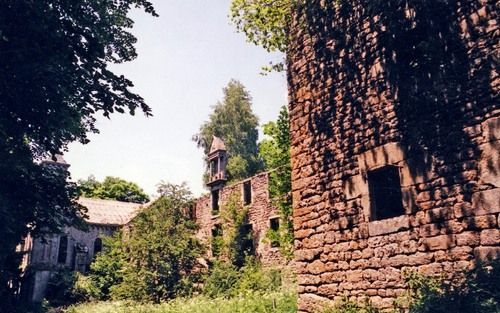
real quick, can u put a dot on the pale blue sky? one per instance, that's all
(186, 57)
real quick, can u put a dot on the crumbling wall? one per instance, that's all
(260, 210)
(410, 84)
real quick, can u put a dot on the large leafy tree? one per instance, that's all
(234, 122)
(161, 252)
(112, 188)
(54, 78)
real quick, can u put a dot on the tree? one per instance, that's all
(265, 22)
(161, 250)
(54, 78)
(112, 188)
(234, 122)
(275, 151)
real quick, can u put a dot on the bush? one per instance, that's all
(349, 306)
(226, 280)
(67, 287)
(478, 291)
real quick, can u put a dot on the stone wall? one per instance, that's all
(408, 84)
(260, 211)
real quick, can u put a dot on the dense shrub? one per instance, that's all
(478, 291)
(66, 287)
(226, 280)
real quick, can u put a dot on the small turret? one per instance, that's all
(217, 160)
(57, 161)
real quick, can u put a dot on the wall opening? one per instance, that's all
(217, 240)
(215, 202)
(247, 192)
(97, 246)
(274, 224)
(247, 242)
(62, 253)
(214, 167)
(386, 200)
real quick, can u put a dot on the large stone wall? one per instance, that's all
(413, 84)
(260, 211)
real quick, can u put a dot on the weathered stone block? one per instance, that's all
(442, 242)
(485, 254)
(490, 237)
(388, 226)
(486, 202)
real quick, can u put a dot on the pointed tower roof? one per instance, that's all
(217, 144)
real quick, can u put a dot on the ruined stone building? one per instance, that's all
(72, 248)
(395, 129)
(251, 193)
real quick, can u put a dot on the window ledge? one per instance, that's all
(215, 216)
(389, 226)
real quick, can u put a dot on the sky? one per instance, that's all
(185, 57)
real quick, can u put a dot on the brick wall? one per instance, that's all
(408, 84)
(260, 211)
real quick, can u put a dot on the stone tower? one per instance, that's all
(217, 159)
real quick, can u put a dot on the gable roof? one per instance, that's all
(109, 212)
(217, 144)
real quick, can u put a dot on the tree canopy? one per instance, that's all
(54, 79)
(161, 252)
(264, 22)
(112, 188)
(234, 122)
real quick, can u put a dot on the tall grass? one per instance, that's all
(252, 302)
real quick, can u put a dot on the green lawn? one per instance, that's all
(249, 303)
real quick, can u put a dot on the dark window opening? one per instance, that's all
(62, 253)
(97, 246)
(215, 202)
(385, 193)
(247, 192)
(214, 167)
(217, 240)
(274, 224)
(192, 212)
(247, 239)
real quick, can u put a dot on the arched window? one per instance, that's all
(97, 246)
(62, 253)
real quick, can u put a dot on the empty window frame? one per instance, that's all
(274, 225)
(217, 239)
(247, 239)
(62, 252)
(247, 192)
(385, 193)
(215, 202)
(97, 246)
(214, 167)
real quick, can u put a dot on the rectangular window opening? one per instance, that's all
(274, 224)
(247, 192)
(385, 193)
(247, 242)
(215, 202)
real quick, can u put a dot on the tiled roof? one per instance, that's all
(109, 212)
(217, 144)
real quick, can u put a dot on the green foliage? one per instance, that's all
(234, 122)
(477, 292)
(55, 77)
(106, 270)
(264, 22)
(275, 151)
(160, 252)
(251, 302)
(112, 188)
(348, 306)
(66, 287)
(227, 280)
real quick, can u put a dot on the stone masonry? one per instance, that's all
(395, 128)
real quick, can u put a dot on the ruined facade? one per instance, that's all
(252, 193)
(395, 129)
(73, 248)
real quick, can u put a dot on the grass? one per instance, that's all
(277, 302)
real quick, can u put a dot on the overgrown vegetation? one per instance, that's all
(55, 78)
(250, 302)
(275, 152)
(156, 258)
(113, 188)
